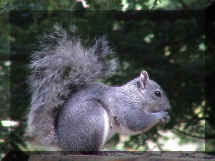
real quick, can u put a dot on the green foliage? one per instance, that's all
(71, 5)
(4, 88)
(4, 104)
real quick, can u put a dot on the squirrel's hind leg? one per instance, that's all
(82, 127)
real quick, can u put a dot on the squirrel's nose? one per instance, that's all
(168, 108)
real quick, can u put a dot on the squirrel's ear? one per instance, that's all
(144, 77)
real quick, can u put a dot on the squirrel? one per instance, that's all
(71, 109)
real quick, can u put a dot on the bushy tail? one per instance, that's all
(61, 67)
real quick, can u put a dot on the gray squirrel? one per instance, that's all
(71, 109)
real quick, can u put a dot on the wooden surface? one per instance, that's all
(123, 156)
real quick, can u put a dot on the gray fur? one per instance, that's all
(57, 71)
(69, 108)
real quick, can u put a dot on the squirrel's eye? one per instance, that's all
(158, 93)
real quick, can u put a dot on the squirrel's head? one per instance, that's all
(153, 97)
